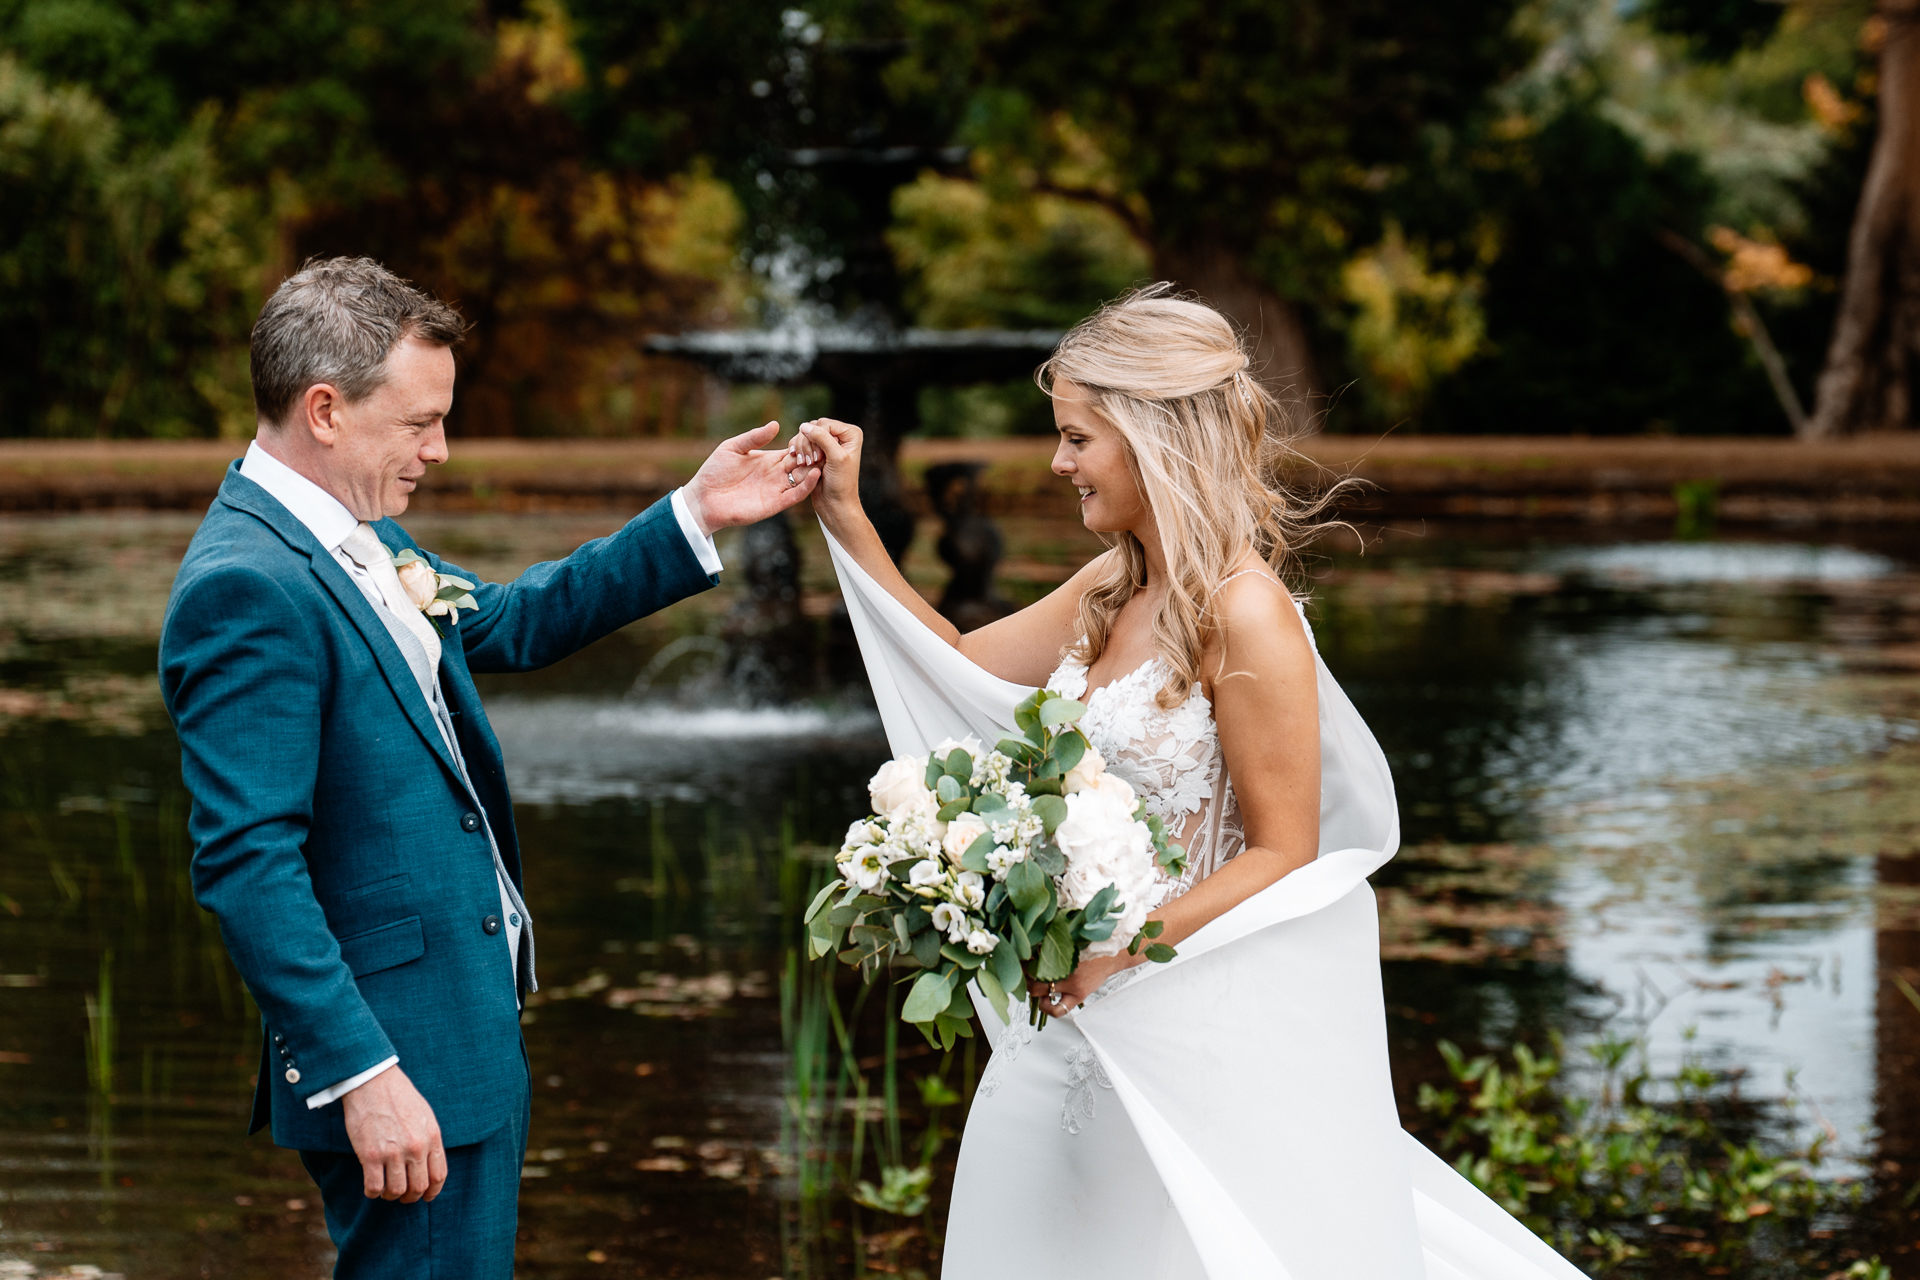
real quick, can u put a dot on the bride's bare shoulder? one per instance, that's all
(1256, 625)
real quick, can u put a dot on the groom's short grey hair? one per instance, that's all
(336, 321)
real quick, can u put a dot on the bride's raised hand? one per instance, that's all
(835, 448)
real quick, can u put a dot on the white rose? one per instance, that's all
(980, 942)
(898, 785)
(970, 890)
(961, 833)
(951, 921)
(421, 584)
(1082, 775)
(1112, 784)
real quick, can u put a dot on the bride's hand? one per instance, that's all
(835, 447)
(1074, 989)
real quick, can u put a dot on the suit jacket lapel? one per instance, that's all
(241, 493)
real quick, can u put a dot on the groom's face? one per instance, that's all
(381, 446)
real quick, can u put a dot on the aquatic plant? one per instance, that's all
(1650, 1165)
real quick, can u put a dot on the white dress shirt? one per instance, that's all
(330, 523)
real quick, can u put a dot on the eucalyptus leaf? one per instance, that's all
(994, 990)
(1022, 945)
(949, 788)
(820, 899)
(1069, 749)
(1026, 886)
(926, 948)
(1059, 711)
(960, 1005)
(1017, 749)
(931, 992)
(1051, 810)
(1044, 787)
(961, 956)
(1154, 928)
(953, 808)
(934, 770)
(1056, 951)
(959, 765)
(975, 858)
(1048, 858)
(1005, 963)
(988, 803)
(1160, 952)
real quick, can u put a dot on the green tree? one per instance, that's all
(1245, 141)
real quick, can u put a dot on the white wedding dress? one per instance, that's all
(1228, 1114)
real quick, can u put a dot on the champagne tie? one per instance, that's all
(363, 545)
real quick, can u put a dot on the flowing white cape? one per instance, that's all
(1252, 1068)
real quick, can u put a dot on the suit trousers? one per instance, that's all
(465, 1233)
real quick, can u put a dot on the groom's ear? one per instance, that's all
(314, 413)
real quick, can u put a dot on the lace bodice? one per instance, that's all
(1171, 759)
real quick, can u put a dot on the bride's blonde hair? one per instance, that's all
(1206, 441)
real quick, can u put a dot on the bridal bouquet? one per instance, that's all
(1002, 866)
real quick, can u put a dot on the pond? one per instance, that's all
(1652, 791)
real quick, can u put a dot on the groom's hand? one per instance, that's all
(394, 1133)
(740, 482)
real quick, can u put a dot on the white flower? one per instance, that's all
(862, 833)
(961, 833)
(867, 870)
(1104, 845)
(1001, 860)
(421, 584)
(970, 890)
(980, 942)
(927, 874)
(898, 785)
(1112, 784)
(969, 744)
(1084, 774)
(950, 920)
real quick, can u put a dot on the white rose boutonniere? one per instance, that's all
(438, 595)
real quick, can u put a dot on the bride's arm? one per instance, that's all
(1024, 647)
(1266, 704)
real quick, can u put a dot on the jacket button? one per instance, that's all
(293, 1075)
(514, 919)
(469, 822)
(491, 924)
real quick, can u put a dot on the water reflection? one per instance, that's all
(1672, 783)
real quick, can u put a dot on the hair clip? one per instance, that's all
(1240, 386)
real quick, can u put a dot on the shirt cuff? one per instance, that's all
(703, 549)
(348, 1085)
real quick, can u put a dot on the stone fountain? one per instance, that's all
(874, 364)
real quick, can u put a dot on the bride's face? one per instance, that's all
(1095, 458)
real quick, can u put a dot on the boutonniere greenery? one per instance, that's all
(438, 595)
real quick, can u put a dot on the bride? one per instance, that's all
(1229, 1114)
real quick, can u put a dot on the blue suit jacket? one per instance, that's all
(332, 835)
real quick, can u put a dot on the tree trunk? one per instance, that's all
(1867, 383)
(1274, 330)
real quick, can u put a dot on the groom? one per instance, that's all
(351, 824)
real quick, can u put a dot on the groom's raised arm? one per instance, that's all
(237, 674)
(561, 606)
